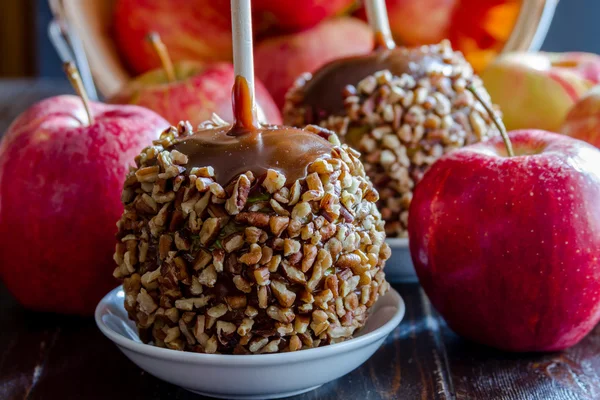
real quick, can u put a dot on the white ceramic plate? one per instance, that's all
(399, 268)
(262, 376)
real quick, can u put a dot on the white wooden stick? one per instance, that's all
(243, 59)
(378, 19)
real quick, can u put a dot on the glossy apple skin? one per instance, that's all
(60, 190)
(583, 120)
(198, 30)
(294, 15)
(279, 61)
(200, 91)
(418, 22)
(536, 90)
(508, 249)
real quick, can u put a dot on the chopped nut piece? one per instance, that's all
(147, 174)
(208, 276)
(284, 296)
(273, 181)
(278, 224)
(233, 242)
(217, 311)
(241, 284)
(257, 344)
(253, 256)
(209, 231)
(146, 302)
(295, 343)
(284, 315)
(245, 326)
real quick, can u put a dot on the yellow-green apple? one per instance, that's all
(279, 61)
(583, 120)
(61, 176)
(293, 15)
(197, 30)
(536, 90)
(508, 248)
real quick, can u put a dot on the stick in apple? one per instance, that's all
(75, 79)
(244, 106)
(378, 19)
(162, 52)
(497, 121)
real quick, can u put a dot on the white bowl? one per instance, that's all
(261, 376)
(399, 268)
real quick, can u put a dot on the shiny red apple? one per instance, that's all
(60, 186)
(280, 60)
(508, 248)
(294, 15)
(190, 91)
(197, 30)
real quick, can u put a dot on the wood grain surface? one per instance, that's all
(47, 356)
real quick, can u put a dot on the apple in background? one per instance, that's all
(61, 179)
(508, 248)
(478, 28)
(583, 120)
(418, 22)
(280, 60)
(293, 15)
(191, 29)
(536, 90)
(198, 91)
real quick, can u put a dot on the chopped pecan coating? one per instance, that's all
(259, 265)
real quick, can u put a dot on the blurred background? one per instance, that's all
(27, 52)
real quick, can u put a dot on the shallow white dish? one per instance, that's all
(399, 268)
(263, 376)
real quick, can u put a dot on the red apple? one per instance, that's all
(478, 28)
(418, 22)
(198, 91)
(280, 60)
(192, 29)
(508, 248)
(293, 15)
(60, 187)
(583, 120)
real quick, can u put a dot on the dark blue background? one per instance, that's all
(576, 26)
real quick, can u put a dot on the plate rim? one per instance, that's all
(397, 242)
(250, 359)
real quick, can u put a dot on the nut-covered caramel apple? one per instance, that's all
(402, 108)
(249, 239)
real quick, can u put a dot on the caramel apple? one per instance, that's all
(402, 108)
(248, 238)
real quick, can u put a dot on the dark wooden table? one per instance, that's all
(45, 356)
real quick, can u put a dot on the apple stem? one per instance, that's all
(497, 121)
(380, 24)
(243, 96)
(75, 79)
(162, 52)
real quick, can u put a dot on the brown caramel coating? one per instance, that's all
(322, 94)
(247, 146)
(234, 151)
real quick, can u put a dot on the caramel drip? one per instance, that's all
(323, 94)
(244, 110)
(233, 151)
(382, 42)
